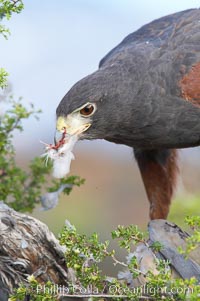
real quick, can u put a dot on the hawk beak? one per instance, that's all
(69, 125)
(58, 137)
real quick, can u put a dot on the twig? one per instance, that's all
(116, 261)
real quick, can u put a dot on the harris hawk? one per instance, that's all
(145, 94)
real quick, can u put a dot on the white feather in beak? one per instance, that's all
(62, 161)
(61, 157)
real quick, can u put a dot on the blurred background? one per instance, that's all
(53, 45)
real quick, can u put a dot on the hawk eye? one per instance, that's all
(87, 110)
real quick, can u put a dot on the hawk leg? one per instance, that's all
(159, 173)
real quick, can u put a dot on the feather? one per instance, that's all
(61, 165)
(61, 157)
(50, 199)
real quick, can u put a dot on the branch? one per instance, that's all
(29, 248)
(171, 237)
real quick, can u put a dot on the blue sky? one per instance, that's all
(56, 43)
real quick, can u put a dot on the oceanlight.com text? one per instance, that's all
(112, 290)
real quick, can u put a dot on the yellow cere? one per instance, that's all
(61, 123)
(73, 123)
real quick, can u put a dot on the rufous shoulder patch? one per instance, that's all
(190, 85)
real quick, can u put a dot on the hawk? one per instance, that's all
(145, 94)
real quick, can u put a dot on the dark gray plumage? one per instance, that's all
(147, 95)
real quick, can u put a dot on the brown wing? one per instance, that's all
(190, 84)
